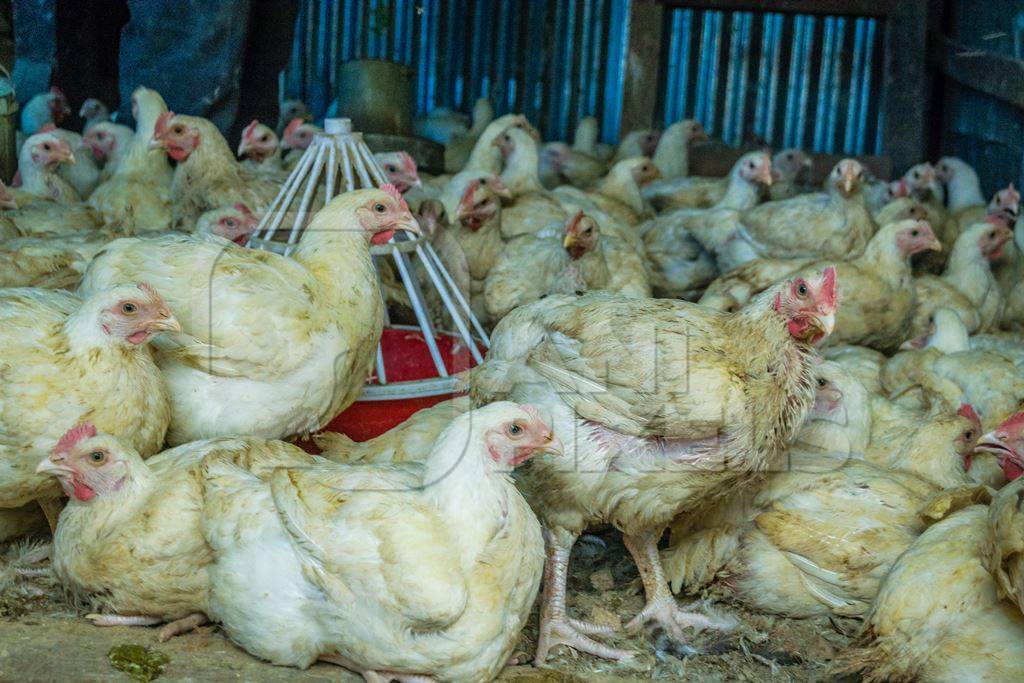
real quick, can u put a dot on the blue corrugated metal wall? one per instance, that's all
(555, 61)
(984, 131)
(789, 80)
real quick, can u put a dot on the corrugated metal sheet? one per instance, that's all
(788, 80)
(553, 61)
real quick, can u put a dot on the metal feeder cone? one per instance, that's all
(415, 363)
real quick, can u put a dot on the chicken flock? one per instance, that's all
(805, 400)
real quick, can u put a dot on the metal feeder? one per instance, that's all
(338, 161)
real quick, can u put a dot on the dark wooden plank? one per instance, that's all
(643, 54)
(715, 159)
(995, 75)
(908, 83)
(859, 8)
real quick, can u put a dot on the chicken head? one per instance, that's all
(581, 235)
(100, 141)
(644, 171)
(234, 223)
(791, 164)
(808, 306)
(134, 313)
(756, 168)
(479, 202)
(384, 212)
(175, 137)
(520, 434)
(49, 151)
(400, 168)
(915, 236)
(1005, 203)
(966, 441)
(258, 143)
(93, 108)
(58, 104)
(87, 464)
(992, 241)
(299, 134)
(1006, 442)
(847, 177)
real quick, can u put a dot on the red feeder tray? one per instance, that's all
(412, 383)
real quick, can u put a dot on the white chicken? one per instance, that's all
(272, 346)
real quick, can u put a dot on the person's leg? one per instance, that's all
(190, 51)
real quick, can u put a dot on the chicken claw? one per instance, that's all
(179, 626)
(661, 607)
(371, 676)
(556, 627)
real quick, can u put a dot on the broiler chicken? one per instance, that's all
(950, 373)
(207, 175)
(877, 290)
(967, 285)
(40, 158)
(65, 360)
(819, 539)
(644, 448)
(672, 156)
(272, 346)
(585, 139)
(833, 225)
(790, 169)
(678, 264)
(575, 258)
(636, 143)
(486, 156)
(260, 150)
(316, 566)
(109, 143)
(93, 111)
(1006, 556)
(46, 107)
(137, 197)
(130, 541)
(81, 172)
(532, 207)
(458, 149)
(956, 630)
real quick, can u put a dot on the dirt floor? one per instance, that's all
(44, 638)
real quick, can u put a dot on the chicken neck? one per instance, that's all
(968, 271)
(620, 186)
(883, 258)
(520, 175)
(672, 157)
(141, 160)
(964, 190)
(739, 194)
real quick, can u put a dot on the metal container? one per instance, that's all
(376, 95)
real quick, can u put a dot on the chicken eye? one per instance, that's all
(96, 457)
(992, 235)
(177, 130)
(128, 308)
(822, 382)
(230, 222)
(379, 208)
(913, 233)
(264, 137)
(969, 434)
(588, 231)
(514, 429)
(801, 289)
(391, 168)
(46, 146)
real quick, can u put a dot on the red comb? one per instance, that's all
(244, 210)
(829, 286)
(86, 430)
(393, 191)
(292, 125)
(532, 411)
(467, 194)
(1014, 423)
(148, 289)
(967, 410)
(574, 220)
(250, 130)
(162, 122)
(48, 127)
(408, 162)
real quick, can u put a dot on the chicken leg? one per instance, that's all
(661, 607)
(179, 626)
(556, 627)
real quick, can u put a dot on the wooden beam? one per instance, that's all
(643, 57)
(859, 8)
(995, 75)
(906, 83)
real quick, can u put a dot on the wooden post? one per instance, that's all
(643, 55)
(907, 84)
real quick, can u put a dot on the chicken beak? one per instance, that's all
(243, 148)
(554, 446)
(409, 225)
(569, 241)
(826, 322)
(168, 324)
(933, 245)
(48, 466)
(156, 142)
(765, 176)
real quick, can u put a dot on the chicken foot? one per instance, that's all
(556, 627)
(179, 626)
(661, 607)
(171, 629)
(371, 676)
